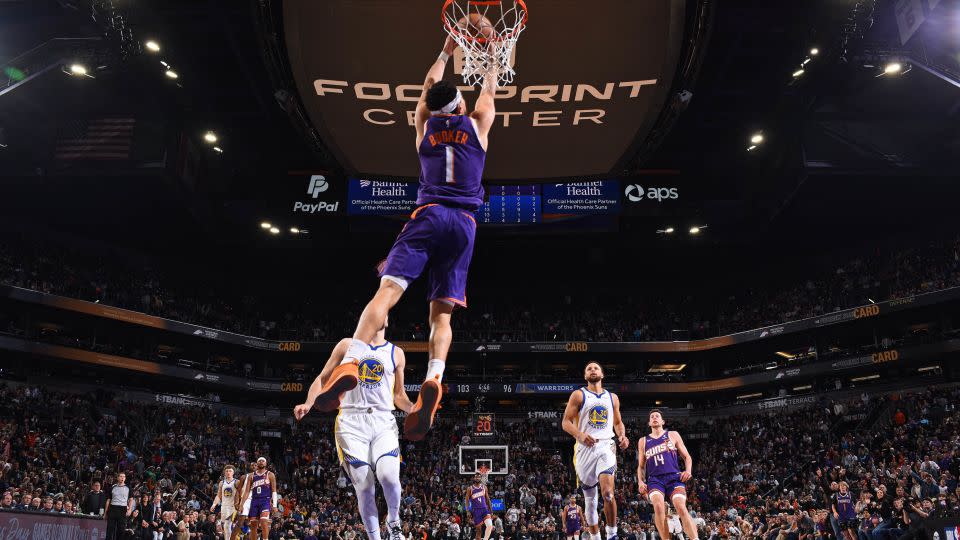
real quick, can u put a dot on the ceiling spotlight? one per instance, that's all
(164, 64)
(797, 73)
(751, 148)
(814, 51)
(78, 69)
(210, 137)
(892, 68)
(265, 225)
(171, 74)
(805, 62)
(668, 230)
(217, 149)
(152, 46)
(757, 138)
(694, 230)
(294, 230)
(274, 230)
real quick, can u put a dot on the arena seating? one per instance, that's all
(757, 476)
(882, 274)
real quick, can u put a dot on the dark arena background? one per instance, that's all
(743, 212)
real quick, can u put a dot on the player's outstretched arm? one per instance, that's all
(335, 358)
(400, 398)
(618, 426)
(216, 500)
(682, 450)
(434, 74)
(570, 419)
(485, 110)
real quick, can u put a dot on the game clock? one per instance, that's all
(482, 425)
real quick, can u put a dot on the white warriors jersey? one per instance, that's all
(228, 493)
(375, 388)
(596, 414)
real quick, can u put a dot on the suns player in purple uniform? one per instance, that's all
(452, 146)
(659, 475)
(260, 492)
(592, 417)
(844, 511)
(572, 517)
(478, 501)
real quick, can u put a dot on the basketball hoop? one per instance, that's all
(486, 31)
(484, 473)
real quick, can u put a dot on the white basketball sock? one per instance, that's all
(354, 351)
(611, 531)
(434, 368)
(388, 473)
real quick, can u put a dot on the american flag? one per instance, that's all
(99, 138)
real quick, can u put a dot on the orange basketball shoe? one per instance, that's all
(420, 419)
(343, 379)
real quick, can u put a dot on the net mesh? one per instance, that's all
(484, 473)
(486, 32)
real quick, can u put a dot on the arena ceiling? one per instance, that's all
(592, 80)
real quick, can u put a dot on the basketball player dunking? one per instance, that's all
(227, 498)
(572, 519)
(260, 494)
(452, 146)
(659, 476)
(478, 501)
(593, 418)
(366, 431)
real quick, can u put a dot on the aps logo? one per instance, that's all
(636, 193)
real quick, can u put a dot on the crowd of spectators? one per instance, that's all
(769, 476)
(97, 275)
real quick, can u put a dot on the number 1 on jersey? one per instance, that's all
(449, 176)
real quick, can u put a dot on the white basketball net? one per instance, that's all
(487, 47)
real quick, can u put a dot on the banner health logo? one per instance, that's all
(371, 372)
(318, 184)
(635, 193)
(597, 416)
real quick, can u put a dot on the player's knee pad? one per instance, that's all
(388, 471)
(590, 505)
(362, 478)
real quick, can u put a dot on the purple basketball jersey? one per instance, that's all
(661, 455)
(451, 163)
(573, 519)
(478, 504)
(261, 487)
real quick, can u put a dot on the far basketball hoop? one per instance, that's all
(486, 31)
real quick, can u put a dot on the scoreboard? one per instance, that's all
(510, 205)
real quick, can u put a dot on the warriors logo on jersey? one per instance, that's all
(227, 491)
(597, 416)
(371, 372)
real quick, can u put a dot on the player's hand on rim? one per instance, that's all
(684, 476)
(586, 440)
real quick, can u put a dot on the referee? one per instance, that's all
(119, 506)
